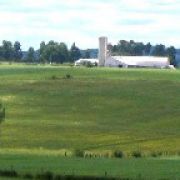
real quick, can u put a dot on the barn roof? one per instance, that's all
(142, 60)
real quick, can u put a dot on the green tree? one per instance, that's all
(75, 53)
(128, 48)
(159, 50)
(87, 54)
(138, 49)
(17, 51)
(1, 53)
(42, 52)
(63, 53)
(54, 52)
(31, 55)
(7, 50)
(171, 52)
(147, 49)
(51, 52)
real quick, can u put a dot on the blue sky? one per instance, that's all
(83, 21)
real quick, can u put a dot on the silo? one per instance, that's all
(102, 50)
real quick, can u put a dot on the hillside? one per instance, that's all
(96, 110)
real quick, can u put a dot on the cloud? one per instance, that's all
(84, 21)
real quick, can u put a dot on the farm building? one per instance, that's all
(137, 61)
(85, 61)
(105, 59)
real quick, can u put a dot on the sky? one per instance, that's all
(83, 21)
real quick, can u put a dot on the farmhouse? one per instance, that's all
(105, 59)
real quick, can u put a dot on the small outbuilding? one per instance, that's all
(82, 62)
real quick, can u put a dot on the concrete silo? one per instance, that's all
(103, 41)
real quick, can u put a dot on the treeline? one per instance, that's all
(55, 52)
(52, 52)
(9, 51)
(132, 48)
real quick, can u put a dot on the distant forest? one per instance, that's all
(55, 52)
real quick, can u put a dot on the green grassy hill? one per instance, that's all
(97, 109)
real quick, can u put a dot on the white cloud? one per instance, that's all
(83, 21)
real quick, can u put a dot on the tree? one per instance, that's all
(31, 55)
(7, 50)
(147, 49)
(123, 48)
(42, 47)
(1, 53)
(41, 51)
(63, 53)
(128, 48)
(87, 54)
(54, 52)
(17, 51)
(75, 53)
(138, 49)
(171, 51)
(159, 50)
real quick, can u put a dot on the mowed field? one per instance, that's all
(97, 110)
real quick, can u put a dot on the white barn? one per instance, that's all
(137, 61)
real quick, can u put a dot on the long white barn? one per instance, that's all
(137, 61)
(105, 59)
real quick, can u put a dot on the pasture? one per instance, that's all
(96, 110)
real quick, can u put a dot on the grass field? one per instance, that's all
(151, 168)
(98, 110)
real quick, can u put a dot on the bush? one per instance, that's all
(137, 154)
(79, 153)
(118, 154)
(156, 154)
(67, 76)
(53, 77)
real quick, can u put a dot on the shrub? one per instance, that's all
(53, 77)
(118, 154)
(156, 154)
(79, 153)
(67, 76)
(137, 154)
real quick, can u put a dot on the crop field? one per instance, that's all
(52, 111)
